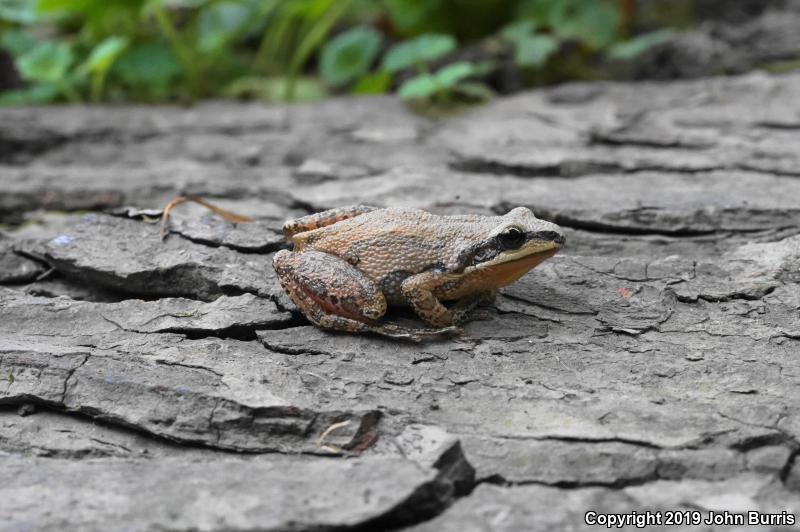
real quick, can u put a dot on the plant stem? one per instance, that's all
(69, 91)
(265, 45)
(183, 52)
(312, 40)
(96, 86)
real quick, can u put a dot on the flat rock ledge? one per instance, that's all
(171, 385)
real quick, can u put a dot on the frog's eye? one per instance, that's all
(512, 238)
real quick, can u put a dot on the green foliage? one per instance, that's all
(306, 89)
(147, 70)
(629, 49)
(100, 61)
(20, 11)
(592, 22)
(157, 50)
(418, 51)
(16, 42)
(418, 16)
(46, 62)
(446, 84)
(376, 83)
(349, 55)
(531, 49)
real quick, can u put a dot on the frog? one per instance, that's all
(348, 265)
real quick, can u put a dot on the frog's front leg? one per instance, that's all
(465, 309)
(418, 290)
(333, 294)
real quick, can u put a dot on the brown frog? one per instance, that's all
(349, 264)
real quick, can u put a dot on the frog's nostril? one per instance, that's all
(550, 236)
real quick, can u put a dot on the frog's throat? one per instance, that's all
(504, 273)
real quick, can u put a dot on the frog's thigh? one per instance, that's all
(323, 219)
(418, 291)
(326, 287)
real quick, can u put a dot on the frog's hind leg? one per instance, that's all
(324, 218)
(332, 294)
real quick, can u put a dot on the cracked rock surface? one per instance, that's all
(171, 385)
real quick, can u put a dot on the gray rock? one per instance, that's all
(731, 37)
(51, 434)
(229, 493)
(546, 508)
(225, 314)
(129, 256)
(55, 285)
(537, 508)
(651, 364)
(15, 268)
(254, 237)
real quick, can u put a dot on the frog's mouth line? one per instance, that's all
(539, 249)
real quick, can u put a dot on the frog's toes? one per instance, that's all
(464, 317)
(373, 312)
(452, 330)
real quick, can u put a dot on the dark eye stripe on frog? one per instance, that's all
(497, 245)
(548, 236)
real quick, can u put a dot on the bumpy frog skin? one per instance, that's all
(349, 264)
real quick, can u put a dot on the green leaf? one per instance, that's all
(419, 50)
(18, 11)
(541, 12)
(377, 83)
(104, 54)
(477, 92)
(273, 89)
(450, 75)
(349, 55)
(330, 11)
(518, 31)
(221, 22)
(50, 6)
(152, 65)
(535, 50)
(629, 49)
(37, 94)
(422, 86)
(593, 22)
(17, 42)
(530, 49)
(170, 4)
(46, 62)
(417, 16)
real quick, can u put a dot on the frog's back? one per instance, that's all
(389, 245)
